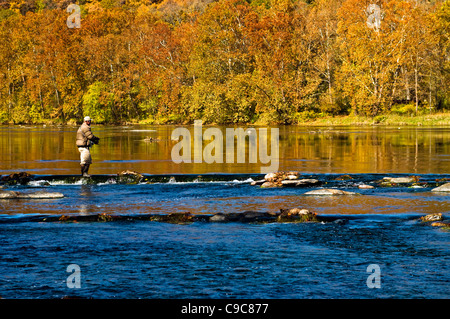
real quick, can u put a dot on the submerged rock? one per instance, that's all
(176, 218)
(253, 216)
(442, 188)
(340, 221)
(4, 194)
(285, 215)
(296, 215)
(17, 178)
(245, 217)
(103, 217)
(398, 181)
(440, 224)
(343, 178)
(41, 195)
(435, 220)
(329, 192)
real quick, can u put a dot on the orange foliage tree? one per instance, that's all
(222, 61)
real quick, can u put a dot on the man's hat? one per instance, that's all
(87, 118)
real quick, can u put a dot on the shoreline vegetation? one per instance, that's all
(437, 119)
(241, 62)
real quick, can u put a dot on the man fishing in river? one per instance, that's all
(85, 139)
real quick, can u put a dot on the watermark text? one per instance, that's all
(190, 148)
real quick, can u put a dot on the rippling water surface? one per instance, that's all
(144, 259)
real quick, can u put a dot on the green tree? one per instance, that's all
(97, 103)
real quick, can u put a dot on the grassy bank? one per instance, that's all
(437, 119)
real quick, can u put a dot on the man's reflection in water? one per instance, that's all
(87, 208)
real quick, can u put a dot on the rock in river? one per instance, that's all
(431, 217)
(399, 180)
(364, 186)
(296, 215)
(442, 188)
(284, 179)
(270, 176)
(300, 182)
(294, 212)
(16, 178)
(441, 224)
(4, 194)
(129, 177)
(329, 191)
(8, 194)
(269, 184)
(258, 182)
(219, 217)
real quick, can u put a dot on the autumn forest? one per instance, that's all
(221, 61)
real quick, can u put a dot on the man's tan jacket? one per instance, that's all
(84, 135)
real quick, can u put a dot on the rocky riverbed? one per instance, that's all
(293, 215)
(294, 179)
(325, 187)
(271, 180)
(22, 186)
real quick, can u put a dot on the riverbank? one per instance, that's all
(436, 119)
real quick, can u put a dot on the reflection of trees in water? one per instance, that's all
(52, 150)
(394, 150)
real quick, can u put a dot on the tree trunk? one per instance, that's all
(405, 75)
(430, 92)
(416, 87)
(10, 92)
(328, 65)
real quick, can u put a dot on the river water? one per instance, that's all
(146, 259)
